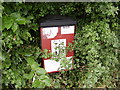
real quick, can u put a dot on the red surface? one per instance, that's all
(46, 43)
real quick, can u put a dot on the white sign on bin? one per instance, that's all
(50, 32)
(67, 29)
(52, 65)
(61, 43)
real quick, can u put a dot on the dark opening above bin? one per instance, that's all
(56, 20)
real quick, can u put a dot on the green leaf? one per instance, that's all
(19, 81)
(29, 76)
(0, 15)
(57, 84)
(30, 60)
(1, 65)
(1, 57)
(15, 15)
(28, 34)
(30, 17)
(14, 27)
(95, 79)
(40, 71)
(47, 82)
(21, 20)
(41, 85)
(7, 63)
(36, 83)
(27, 53)
(7, 22)
(35, 65)
(1, 7)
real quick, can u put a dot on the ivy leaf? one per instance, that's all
(28, 34)
(29, 76)
(30, 60)
(26, 76)
(14, 27)
(21, 20)
(7, 63)
(34, 65)
(42, 77)
(89, 75)
(45, 50)
(36, 83)
(41, 71)
(30, 17)
(19, 81)
(27, 53)
(1, 7)
(1, 57)
(47, 82)
(15, 15)
(7, 22)
(57, 84)
(42, 85)
(95, 79)
(1, 15)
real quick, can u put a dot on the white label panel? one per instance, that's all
(61, 43)
(51, 65)
(50, 32)
(67, 29)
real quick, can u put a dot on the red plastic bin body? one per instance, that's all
(54, 31)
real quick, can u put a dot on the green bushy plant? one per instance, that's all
(96, 45)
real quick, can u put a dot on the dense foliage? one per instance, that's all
(96, 45)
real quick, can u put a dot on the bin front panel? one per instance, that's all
(51, 37)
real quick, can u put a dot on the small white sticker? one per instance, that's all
(67, 29)
(50, 32)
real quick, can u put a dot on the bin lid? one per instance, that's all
(56, 20)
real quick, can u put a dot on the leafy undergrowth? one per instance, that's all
(96, 45)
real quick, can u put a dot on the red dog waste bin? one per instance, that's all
(55, 30)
